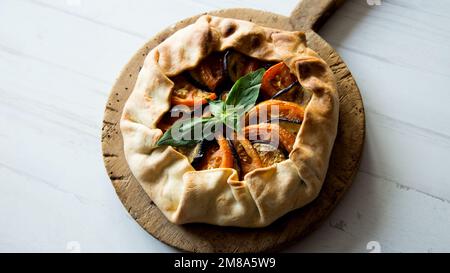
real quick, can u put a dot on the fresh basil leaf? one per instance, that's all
(245, 91)
(183, 132)
(241, 98)
(217, 107)
(233, 120)
(211, 127)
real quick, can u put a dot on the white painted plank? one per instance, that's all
(145, 18)
(399, 57)
(38, 218)
(54, 187)
(398, 218)
(366, 56)
(407, 155)
(52, 95)
(54, 119)
(73, 98)
(70, 42)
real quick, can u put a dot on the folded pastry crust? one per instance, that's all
(217, 196)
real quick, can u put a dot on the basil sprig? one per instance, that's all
(241, 98)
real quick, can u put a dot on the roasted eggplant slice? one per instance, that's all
(288, 92)
(237, 162)
(199, 152)
(247, 156)
(294, 93)
(272, 133)
(292, 126)
(191, 152)
(282, 119)
(269, 154)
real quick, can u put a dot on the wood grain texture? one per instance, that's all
(312, 14)
(207, 238)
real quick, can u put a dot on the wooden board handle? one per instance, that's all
(311, 14)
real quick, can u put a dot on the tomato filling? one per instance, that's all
(271, 133)
(248, 157)
(219, 155)
(185, 93)
(272, 125)
(276, 78)
(273, 109)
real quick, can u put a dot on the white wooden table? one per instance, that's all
(59, 59)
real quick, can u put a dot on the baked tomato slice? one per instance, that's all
(210, 72)
(218, 155)
(247, 155)
(276, 78)
(187, 94)
(286, 110)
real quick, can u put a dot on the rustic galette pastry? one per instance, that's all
(231, 123)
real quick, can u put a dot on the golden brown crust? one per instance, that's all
(217, 196)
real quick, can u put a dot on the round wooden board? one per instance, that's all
(208, 238)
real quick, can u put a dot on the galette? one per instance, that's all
(231, 123)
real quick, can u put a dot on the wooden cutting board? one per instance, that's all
(307, 16)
